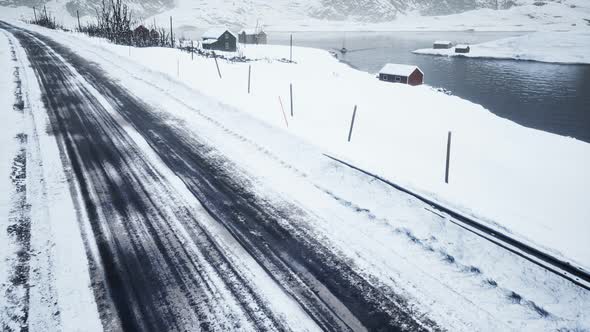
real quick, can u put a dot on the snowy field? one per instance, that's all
(516, 178)
(554, 47)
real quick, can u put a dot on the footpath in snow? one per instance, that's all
(554, 47)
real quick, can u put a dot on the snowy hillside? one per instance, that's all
(366, 10)
(303, 14)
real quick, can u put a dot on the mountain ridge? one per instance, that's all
(373, 11)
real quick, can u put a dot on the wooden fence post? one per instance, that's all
(283, 109)
(171, 33)
(291, 93)
(217, 64)
(291, 49)
(249, 76)
(45, 10)
(352, 123)
(79, 26)
(448, 157)
(35, 13)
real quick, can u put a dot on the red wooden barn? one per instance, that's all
(406, 74)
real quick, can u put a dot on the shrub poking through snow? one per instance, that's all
(514, 297)
(491, 282)
(46, 20)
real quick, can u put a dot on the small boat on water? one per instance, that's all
(344, 50)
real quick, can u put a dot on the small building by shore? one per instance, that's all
(405, 74)
(462, 49)
(442, 44)
(219, 40)
(252, 36)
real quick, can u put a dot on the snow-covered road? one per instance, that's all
(192, 225)
(163, 268)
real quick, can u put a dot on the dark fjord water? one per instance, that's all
(550, 97)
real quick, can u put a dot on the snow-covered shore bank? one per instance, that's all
(553, 47)
(518, 179)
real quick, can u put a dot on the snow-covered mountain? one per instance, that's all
(385, 10)
(194, 16)
(358, 10)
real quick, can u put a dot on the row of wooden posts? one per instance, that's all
(448, 159)
(449, 138)
(448, 156)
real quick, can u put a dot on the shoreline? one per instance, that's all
(542, 47)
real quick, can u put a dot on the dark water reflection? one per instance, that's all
(549, 97)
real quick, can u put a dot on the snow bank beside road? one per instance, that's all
(10, 121)
(44, 278)
(555, 47)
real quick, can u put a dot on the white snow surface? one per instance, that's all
(283, 15)
(520, 180)
(215, 33)
(294, 16)
(556, 47)
(398, 69)
(10, 121)
(60, 297)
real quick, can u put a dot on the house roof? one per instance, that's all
(398, 69)
(215, 33)
(251, 31)
(209, 41)
(443, 42)
(462, 46)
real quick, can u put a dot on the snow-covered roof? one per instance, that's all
(462, 46)
(443, 42)
(251, 31)
(397, 69)
(215, 33)
(209, 41)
